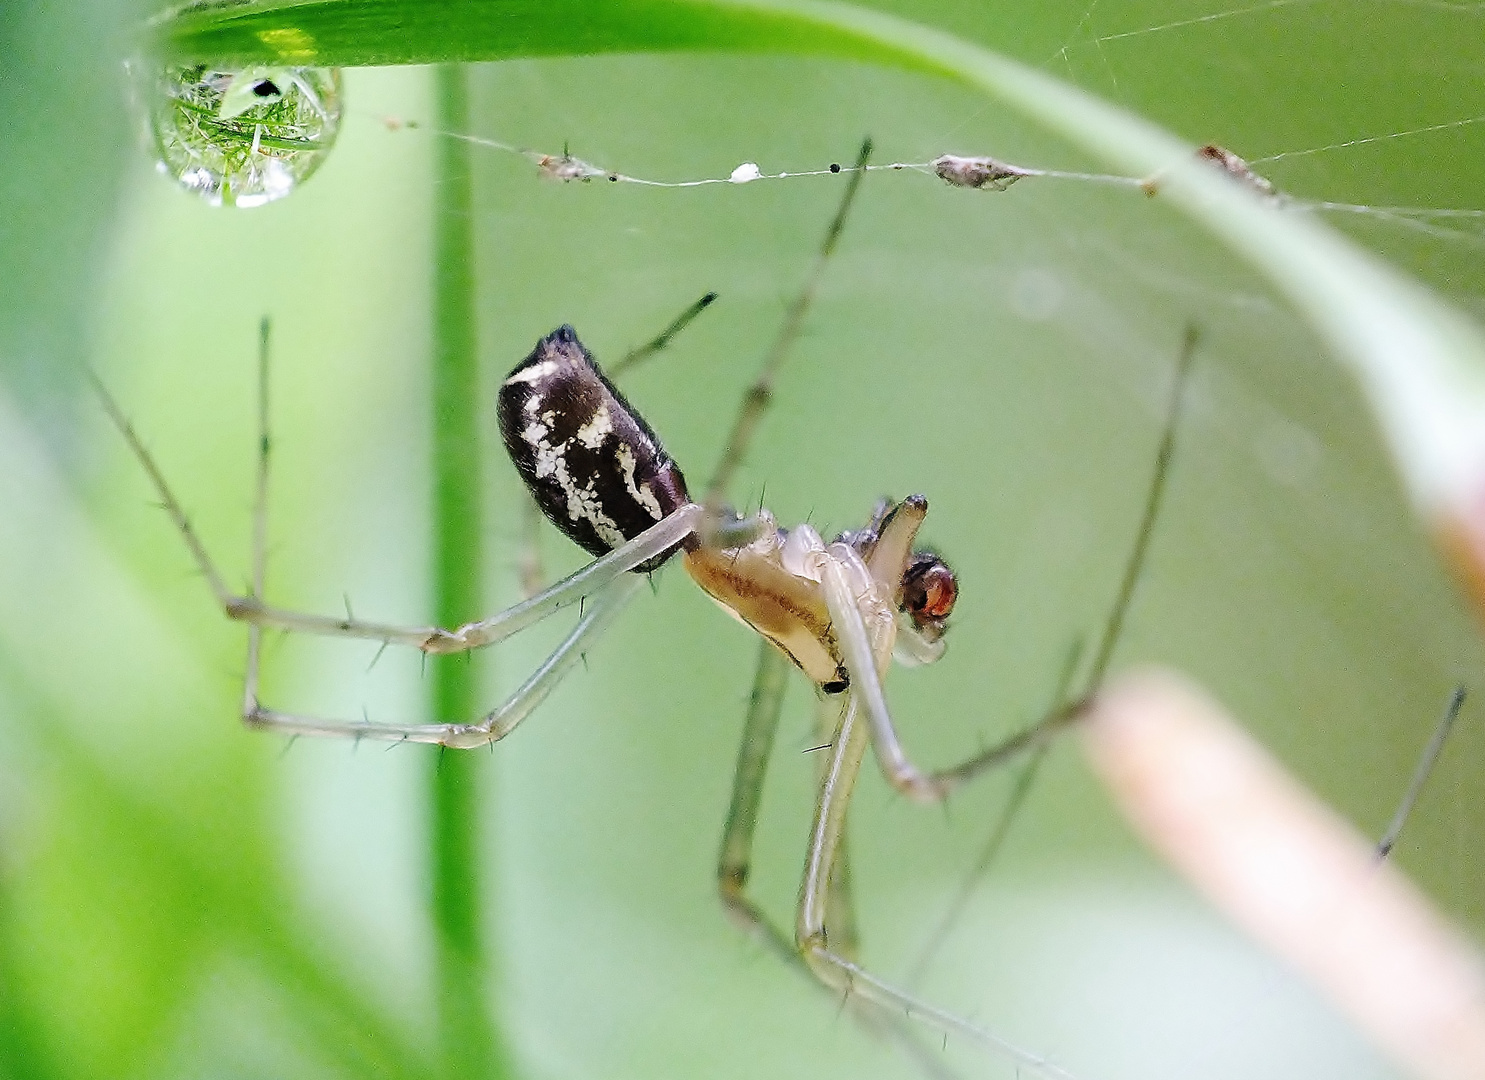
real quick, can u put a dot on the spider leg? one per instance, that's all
(661, 340)
(260, 524)
(840, 900)
(830, 966)
(497, 723)
(734, 862)
(735, 859)
(759, 396)
(1421, 772)
(927, 786)
(583, 583)
(251, 609)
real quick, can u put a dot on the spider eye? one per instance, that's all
(929, 589)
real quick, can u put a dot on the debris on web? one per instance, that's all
(983, 172)
(979, 172)
(1229, 163)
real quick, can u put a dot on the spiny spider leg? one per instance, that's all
(1060, 702)
(583, 583)
(493, 726)
(496, 724)
(768, 687)
(755, 403)
(825, 894)
(926, 786)
(606, 582)
(1134, 567)
(735, 856)
(734, 862)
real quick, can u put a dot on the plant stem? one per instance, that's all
(471, 1044)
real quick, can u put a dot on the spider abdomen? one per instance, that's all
(594, 466)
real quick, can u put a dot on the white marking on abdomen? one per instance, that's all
(642, 495)
(598, 428)
(534, 373)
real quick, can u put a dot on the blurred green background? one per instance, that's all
(181, 898)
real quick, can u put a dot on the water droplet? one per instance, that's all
(243, 138)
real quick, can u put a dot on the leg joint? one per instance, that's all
(731, 880)
(921, 787)
(442, 641)
(243, 608)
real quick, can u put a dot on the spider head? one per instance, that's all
(924, 585)
(929, 589)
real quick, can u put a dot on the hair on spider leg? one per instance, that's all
(845, 1001)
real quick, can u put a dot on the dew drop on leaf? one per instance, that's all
(242, 138)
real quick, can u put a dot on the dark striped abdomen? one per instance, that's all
(596, 469)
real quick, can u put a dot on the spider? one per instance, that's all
(838, 611)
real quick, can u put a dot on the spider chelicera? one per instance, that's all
(839, 611)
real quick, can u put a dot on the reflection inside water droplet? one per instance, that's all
(243, 138)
